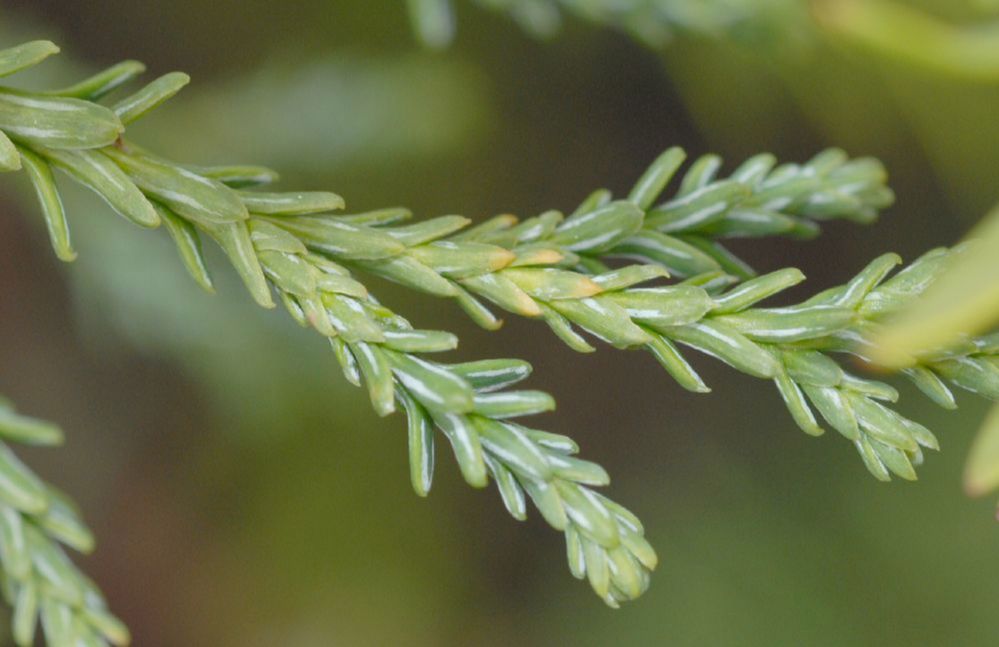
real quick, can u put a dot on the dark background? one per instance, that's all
(243, 494)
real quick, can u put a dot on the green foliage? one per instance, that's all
(653, 22)
(38, 580)
(270, 249)
(886, 27)
(914, 37)
(297, 246)
(982, 472)
(959, 304)
(962, 303)
(551, 267)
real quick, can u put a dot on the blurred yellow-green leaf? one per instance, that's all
(900, 31)
(982, 471)
(963, 301)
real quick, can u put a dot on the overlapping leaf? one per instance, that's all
(38, 579)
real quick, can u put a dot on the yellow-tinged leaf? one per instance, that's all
(963, 301)
(981, 474)
(914, 37)
(10, 159)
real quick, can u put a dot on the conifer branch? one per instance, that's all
(550, 267)
(467, 403)
(527, 268)
(38, 579)
(759, 198)
(375, 347)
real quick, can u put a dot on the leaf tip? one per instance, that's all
(66, 255)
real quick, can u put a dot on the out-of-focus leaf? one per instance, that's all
(982, 470)
(914, 37)
(964, 300)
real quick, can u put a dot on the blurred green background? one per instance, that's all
(244, 494)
